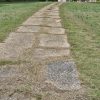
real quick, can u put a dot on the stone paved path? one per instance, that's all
(38, 63)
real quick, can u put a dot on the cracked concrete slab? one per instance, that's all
(52, 22)
(47, 16)
(27, 29)
(40, 21)
(53, 14)
(53, 41)
(15, 44)
(41, 53)
(33, 21)
(53, 30)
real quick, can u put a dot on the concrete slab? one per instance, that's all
(43, 21)
(38, 14)
(9, 76)
(53, 30)
(16, 39)
(53, 41)
(15, 45)
(53, 25)
(54, 11)
(49, 53)
(47, 16)
(34, 21)
(53, 14)
(28, 29)
(56, 17)
(52, 22)
(63, 75)
(9, 71)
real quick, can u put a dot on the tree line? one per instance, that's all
(23, 0)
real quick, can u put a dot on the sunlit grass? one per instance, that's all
(12, 15)
(82, 23)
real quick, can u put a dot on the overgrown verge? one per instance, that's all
(82, 23)
(12, 15)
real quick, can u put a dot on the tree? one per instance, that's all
(8, 0)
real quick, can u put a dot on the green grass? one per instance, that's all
(12, 15)
(9, 62)
(82, 23)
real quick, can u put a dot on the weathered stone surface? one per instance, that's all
(53, 14)
(34, 21)
(28, 29)
(15, 96)
(10, 76)
(54, 41)
(53, 10)
(57, 21)
(15, 44)
(49, 53)
(33, 99)
(56, 17)
(38, 14)
(20, 39)
(43, 21)
(47, 16)
(53, 25)
(8, 71)
(56, 8)
(63, 75)
(52, 22)
(53, 30)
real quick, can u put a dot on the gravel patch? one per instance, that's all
(63, 75)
